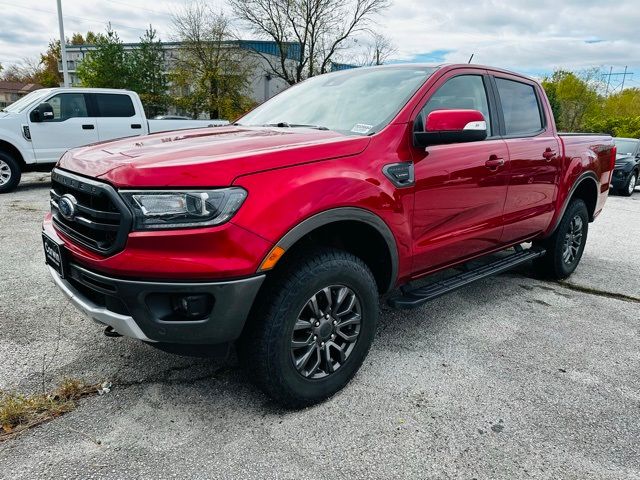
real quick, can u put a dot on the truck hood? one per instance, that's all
(206, 157)
(624, 160)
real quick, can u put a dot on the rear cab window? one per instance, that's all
(114, 105)
(521, 108)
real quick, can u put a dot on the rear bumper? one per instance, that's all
(142, 309)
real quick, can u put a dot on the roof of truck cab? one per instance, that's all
(451, 66)
(91, 90)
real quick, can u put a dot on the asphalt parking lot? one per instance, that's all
(512, 377)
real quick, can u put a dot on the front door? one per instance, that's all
(461, 188)
(70, 127)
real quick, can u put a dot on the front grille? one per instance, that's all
(101, 221)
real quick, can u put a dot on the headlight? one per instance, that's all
(175, 209)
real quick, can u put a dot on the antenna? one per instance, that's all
(471, 57)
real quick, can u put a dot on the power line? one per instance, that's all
(92, 20)
(164, 14)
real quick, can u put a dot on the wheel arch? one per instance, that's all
(356, 230)
(11, 149)
(585, 188)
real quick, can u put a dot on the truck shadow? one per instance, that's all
(34, 182)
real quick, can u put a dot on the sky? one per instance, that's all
(531, 37)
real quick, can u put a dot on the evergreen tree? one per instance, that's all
(149, 79)
(109, 65)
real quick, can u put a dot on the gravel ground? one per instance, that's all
(511, 377)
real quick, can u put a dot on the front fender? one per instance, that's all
(17, 141)
(285, 204)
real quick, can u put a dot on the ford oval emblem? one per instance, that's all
(67, 206)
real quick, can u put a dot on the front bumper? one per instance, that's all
(141, 309)
(620, 177)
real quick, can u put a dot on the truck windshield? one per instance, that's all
(27, 100)
(359, 101)
(625, 146)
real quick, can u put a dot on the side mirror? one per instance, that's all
(451, 126)
(42, 113)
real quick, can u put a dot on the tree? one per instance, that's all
(26, 71)
(210, 72)
(574, 97)
(377, 50)
(309, 34)
(149, 78)
(108, 66)
(49, 75)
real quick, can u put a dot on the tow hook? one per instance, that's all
(110, 332)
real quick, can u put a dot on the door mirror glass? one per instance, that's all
(35, 116)
(46, 111)
(42, 113)
(451, 126)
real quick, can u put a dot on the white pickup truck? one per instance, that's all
(37, 129)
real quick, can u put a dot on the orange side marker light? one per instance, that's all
(274, 255)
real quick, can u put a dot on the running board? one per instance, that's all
(419, 296)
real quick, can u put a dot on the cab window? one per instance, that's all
(464, 92)
(520, 107)
(114, 105)
(68, 105)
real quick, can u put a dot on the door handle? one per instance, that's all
(494, 162)
(136, 125)
(548, 154)
(88, 127)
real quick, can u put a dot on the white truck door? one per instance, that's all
(71, 126)
(117, 117)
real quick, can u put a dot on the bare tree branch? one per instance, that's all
(319, 28)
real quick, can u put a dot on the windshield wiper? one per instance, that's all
(293, 125)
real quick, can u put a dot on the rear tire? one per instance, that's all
(311, 327)
(566, 245)
(10, 173)
(630, 186)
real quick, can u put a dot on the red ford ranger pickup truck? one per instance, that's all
(279, 233)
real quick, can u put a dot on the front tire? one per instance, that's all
(630, 186)
(311, 328)
(566, 245)
(10, 173)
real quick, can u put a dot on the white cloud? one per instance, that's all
(525, 35)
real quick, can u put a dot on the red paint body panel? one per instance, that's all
(227, 251)
(451, 120)
(460, 207)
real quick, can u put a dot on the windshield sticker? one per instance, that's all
(361, 128)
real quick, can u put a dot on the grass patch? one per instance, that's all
(20, 412)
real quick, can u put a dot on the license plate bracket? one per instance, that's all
(54, 255)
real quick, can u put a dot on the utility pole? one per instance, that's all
(63, 48)
(608, 81)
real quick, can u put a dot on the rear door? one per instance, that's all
(460, 188)
(534, 153)
(71, 126)
(117, 116)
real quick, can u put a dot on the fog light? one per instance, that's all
(192, 307)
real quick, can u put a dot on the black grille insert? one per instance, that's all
(100, 220)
